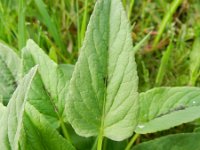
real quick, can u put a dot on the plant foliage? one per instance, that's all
(45, 105)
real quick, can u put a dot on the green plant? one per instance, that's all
(96, 98)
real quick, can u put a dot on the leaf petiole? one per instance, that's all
(99, 143)
(133, 139)
(65, 132)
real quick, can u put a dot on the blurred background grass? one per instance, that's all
(59, 26)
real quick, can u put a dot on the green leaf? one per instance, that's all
(10, 67)
(23, 127)
(103, 97)
(38, 134)
(51, 84)
(166, 107)
(80, 142)
(183, 141)
(12, 118)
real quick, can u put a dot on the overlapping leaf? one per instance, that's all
(51, 84)
(184, 141)
(9, 72)
(12, 118)
(163, 108)
(103, 90)
(28, 129)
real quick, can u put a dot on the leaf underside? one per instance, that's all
(166, 107)
(9, 73)
(103, 94)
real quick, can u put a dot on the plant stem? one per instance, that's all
(132, 141)
(100, 141)
(65, 132)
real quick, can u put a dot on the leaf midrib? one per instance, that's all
(101, 132)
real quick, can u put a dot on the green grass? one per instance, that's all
(166, 19)
(21, 25)
(165, 30)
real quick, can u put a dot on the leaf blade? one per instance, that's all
(51, 84)
(163, 108)
(37, 133)
(23, 127)
(103, 88)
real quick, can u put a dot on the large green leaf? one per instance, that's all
(9, 72)
(103, 98)
(183, 141)
(12, 118)
(51, 84)
(166, 107)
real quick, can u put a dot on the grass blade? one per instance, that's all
(78, 25)
(51, 25)
(84, 21)
(131, 8)
(173, 6)
(141, 43)
(163, 65)
(195, 61)
(21, 25)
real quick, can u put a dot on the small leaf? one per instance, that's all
(183, 141)
(10, 65)
(103, 97)
(166, 107)
(51, 84)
